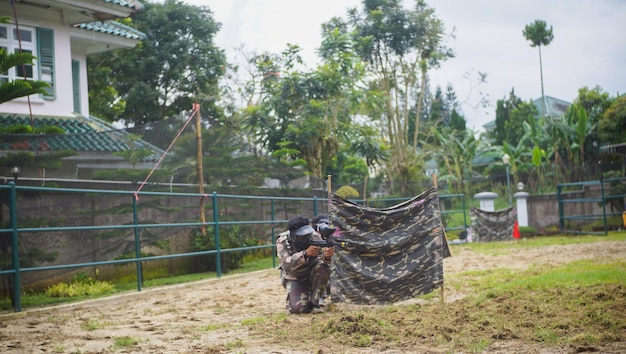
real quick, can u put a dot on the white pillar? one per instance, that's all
(522, 208)
(486, 200)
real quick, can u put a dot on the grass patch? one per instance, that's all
(124, 341)
(578, 304)
(92, 325)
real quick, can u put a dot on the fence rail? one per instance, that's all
(588, 207)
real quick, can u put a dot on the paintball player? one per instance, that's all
(305, 268)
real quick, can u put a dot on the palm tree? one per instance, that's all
(538, 34)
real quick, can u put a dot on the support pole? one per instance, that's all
(196, 107)
(329, 193)
(443, 233)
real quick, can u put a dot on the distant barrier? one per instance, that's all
(588, 201)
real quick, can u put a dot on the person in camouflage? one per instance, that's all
(304, 268)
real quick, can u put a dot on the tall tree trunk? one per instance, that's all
(543, 96)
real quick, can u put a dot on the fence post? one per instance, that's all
(559, 189)
(17, 300)
(464, 213)
(606, 229)
(216, 228)
(273, 235)
(137, 243)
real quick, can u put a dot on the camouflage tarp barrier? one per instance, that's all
(387, 255)
(490, 226)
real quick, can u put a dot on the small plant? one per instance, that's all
(92, 325)
(527, 231)
(253, 321)
(80, 286)
(235, 344)
(125, 341)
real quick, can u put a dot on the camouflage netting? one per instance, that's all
(387, 255)
(490, 226)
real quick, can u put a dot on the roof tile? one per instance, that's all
(79, 136)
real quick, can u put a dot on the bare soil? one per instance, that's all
(246, 314)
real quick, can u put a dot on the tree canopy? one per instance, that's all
(176, 65)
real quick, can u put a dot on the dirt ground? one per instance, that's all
(207, 316)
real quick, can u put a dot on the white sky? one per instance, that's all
(589, 46)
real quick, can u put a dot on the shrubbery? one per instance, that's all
(82, 285)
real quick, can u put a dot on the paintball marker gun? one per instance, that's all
(325, 231)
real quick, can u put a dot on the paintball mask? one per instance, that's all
(300, 232)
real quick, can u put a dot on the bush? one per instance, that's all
(347, 192)
(527, 231)
(81, 286)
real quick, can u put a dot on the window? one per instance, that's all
(37, 41)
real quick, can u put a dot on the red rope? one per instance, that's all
(196, 107)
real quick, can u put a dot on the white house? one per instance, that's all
(61, 34)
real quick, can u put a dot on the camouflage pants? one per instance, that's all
(305, 293)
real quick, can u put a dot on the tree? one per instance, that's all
(514, 127)
(400, 47)
(504, 107)
(307, 113)
(612, 125)
(538, 34)
(174, 66)
(456, 154)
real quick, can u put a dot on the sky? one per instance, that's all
(588, 49)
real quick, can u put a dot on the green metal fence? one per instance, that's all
(589, 201)
(270, 212)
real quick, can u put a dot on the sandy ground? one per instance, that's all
(206, 316)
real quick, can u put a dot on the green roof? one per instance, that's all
(80, 135)
(113, 28)
(133, 4)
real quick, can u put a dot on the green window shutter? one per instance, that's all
(45, 41)
(76, 84)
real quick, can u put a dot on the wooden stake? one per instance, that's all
(196, 107)
(443, 232)
(329, 192)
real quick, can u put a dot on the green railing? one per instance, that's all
(290, 206)
(14, 229)
(589, 204)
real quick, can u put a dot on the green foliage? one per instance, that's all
(347, 192)
(11, 90)
(524, 112)
(176, 64)
(538, 33)
(134, 154)
(26, 159)
(504, 109)
(612, 124)
(230, 236)
(400, 46)
(527, 230)
(82, 285)
(124, 341)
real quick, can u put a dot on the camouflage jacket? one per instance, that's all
(294, 265)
